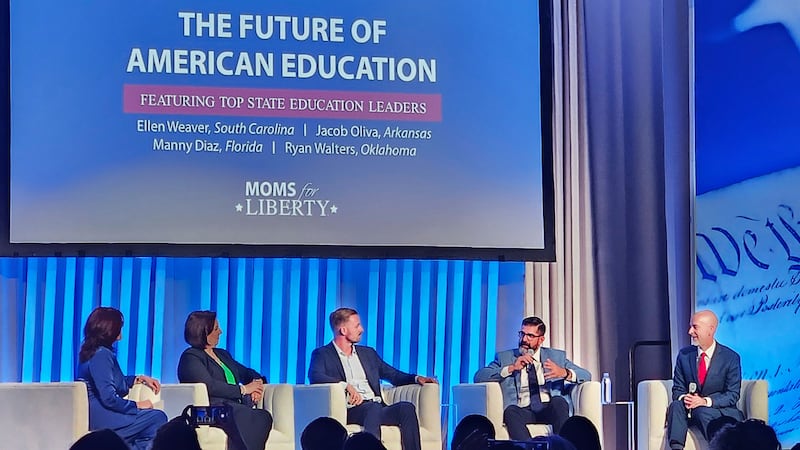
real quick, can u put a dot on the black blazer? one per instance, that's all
(196, 366)
(723, 379)
(326, 367)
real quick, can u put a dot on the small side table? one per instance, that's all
(629, 404)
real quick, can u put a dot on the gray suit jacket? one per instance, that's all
(510, 385)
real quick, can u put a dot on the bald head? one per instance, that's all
(702, 328)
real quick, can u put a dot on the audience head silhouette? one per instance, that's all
(323, 433)
(581, 432)
(717, 424)
(176, 435)
(748, 435)
(472, 433)
(363, 441)
(100, 440)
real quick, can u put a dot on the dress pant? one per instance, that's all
(253, 426)
(678, 422)
(140, 433)
(555, 413)
(371, 415)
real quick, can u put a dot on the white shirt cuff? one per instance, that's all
(504, 372)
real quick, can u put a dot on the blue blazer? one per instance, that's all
(106, 386)
(723, 379)
(511, 384)
(326, 367)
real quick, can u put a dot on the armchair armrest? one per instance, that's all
(425, 399)
(140, 392)
(485, 399)
(754, 401)
(278, 399)
(317, 400)
(654, 397)
(586, 402)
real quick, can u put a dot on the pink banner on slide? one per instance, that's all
(249, 102)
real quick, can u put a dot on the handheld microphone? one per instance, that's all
(531, 352)
(692, 390)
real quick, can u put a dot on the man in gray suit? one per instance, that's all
(534, 381)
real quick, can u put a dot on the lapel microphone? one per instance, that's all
(692, 390)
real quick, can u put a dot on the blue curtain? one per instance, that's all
(428, 317)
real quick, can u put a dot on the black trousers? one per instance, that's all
(555, 413)
(371, 415)
(253, 426)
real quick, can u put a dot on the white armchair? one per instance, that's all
(43, 415)
(486, 399)
(328, 400)
(654, 397)
(278, 400)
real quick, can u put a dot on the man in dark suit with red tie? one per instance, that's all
(706, 383)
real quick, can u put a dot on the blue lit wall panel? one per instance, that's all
(430, 317)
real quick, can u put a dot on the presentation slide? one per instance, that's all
(353, 123)
(747, 209)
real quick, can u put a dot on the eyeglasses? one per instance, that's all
(523, 334)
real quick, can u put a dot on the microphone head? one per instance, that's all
(692, 388)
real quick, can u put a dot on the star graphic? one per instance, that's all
(239, 207)
(765, 12)
(334, 209)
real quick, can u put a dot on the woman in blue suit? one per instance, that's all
(135, 422)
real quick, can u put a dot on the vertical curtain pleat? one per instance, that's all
(563, 293)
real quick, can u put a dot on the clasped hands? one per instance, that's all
(255, 388)
(552, 371)
(692, 401)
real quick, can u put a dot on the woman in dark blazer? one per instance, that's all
(227, 381)
(135, 422)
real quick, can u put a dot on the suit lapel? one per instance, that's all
(692, 362)
(714, 364)
(338, 362)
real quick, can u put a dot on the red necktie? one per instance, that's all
(701, 369)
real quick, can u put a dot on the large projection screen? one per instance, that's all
(354, 128)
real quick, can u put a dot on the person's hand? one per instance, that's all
(522, 362)
(144, 404)
(256, 396)
(150, 382)
(692, 401)
(353, 397)
(423, 380)
(253, 387)
(553, 371)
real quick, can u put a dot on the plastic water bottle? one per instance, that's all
(605, 386)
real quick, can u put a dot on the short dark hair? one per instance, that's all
(534, 321)
(198, 326)
(340, 316)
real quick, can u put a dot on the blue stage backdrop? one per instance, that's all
(427, 317)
